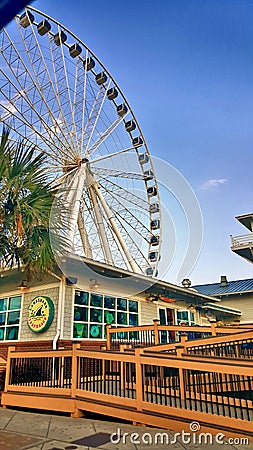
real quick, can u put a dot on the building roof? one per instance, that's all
(246, 220)
(222, 309)
(82, 269)
(232, 287)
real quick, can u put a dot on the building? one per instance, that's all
(54, 310)
(243, 245)
(236, 294)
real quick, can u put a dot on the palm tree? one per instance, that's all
(25, 203)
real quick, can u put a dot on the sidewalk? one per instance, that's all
(34, 431)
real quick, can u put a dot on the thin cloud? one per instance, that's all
(213, 184)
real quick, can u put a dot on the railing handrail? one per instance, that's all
(243, 239)
(156, 328)
(148, 357)
(208, 341)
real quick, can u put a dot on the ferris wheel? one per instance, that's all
(55, 93)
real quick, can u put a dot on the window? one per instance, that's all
(186, 317)
(9, 318)
(93, 311)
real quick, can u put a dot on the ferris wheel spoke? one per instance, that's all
(140, 258)
(73, 126)
(111, 155)
(100, 224)
(18, 68)
(125, 194)
(84, 235)
(94, 115)
(13, 111)
(100, 171)
(15, 95)
(120, 209)
(103, 137)
(62, 91)
(114, 227)
(79, 102)
(41, 80)
(83, 103)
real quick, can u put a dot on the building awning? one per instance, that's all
(222, 309)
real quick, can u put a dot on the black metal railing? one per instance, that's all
(240, 349)
(41, 372)
(143, 338)
(104, 376)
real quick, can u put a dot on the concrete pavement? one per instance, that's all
(20, 430)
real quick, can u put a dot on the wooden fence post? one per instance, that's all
(108, 336)
(180, 350)
(213, 327)
(139, 378)
(11, 348)
(183, 339)
(156, 331)
(75, 377)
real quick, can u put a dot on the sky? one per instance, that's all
(186, 68)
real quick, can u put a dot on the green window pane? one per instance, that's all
(96, 315)
(80, 330)
(2, 318)
(96, 300)
(3, 304)
(183, 315)
(163, 316)
(133, 319)
(95, 331)
(121, 318)
(109, 302)
(109, 317)
(11, 333)
(192, 316)
(122, 304)
(13, 318)
(15, 303)
(133, 306)
(1, 334)
(80, 313)
(81, 298)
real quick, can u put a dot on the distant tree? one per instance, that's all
(25, 203)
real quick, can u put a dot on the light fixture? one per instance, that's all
(95, 284)
(186, 283)
(70, 281)
(191, 307)
(23, 286)
(152, 298)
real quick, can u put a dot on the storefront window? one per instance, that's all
(93, 311)
(9, 318)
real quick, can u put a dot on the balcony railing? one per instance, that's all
(245, 240)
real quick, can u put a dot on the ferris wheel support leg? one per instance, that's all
(105, 244)
(116, 231)
(84, 236)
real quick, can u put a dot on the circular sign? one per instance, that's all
(40, 314)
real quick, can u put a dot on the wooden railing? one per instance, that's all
(143, 385)
(244, 240)
(238, 345)
(154, 334)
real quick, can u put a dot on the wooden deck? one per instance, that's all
(209, 380)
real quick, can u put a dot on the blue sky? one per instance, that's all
(186, 68)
